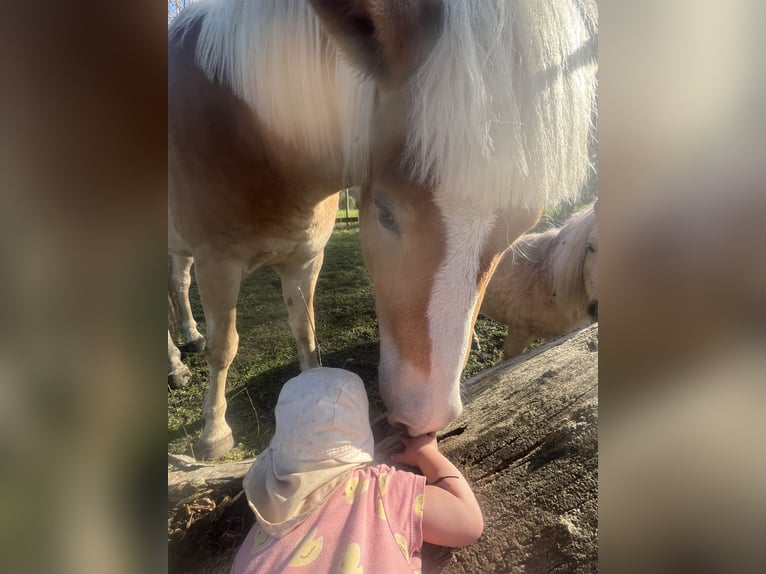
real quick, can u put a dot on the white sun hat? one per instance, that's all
(322, 433)
(323, 413)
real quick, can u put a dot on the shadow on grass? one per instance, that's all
(251, 405)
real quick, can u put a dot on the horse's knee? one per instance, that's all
(181, 285)
(219, 354)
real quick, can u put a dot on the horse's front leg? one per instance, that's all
(218, 282)
(298, 285)
(180, 281)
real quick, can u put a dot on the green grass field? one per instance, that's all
(348, 338)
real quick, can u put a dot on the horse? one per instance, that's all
(460, 121)
(546, 284)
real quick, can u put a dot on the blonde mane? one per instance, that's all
(568, 259)
(275, 56)
(500, 111)
(502, 108)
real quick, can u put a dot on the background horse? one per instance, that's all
(546, 283)
(460, 121)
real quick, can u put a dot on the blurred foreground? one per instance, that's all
(682, 218)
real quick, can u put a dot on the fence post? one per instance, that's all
(348, 223)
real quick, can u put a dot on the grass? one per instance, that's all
(348, 338)
(351, 213)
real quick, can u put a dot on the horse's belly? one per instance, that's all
(281, 252)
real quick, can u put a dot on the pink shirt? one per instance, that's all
(373, 523)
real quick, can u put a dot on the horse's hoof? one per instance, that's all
(195, 346)
(180, 379)
(475, 345)
(213, 448)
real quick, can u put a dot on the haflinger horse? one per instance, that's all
(546, 284)
(460, 121)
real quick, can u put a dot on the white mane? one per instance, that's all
(500, 110)
(275, 56)
(568, 260)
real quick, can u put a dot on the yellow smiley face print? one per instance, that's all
(307, 550)
(354, 487)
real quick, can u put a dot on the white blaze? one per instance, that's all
(453, 299)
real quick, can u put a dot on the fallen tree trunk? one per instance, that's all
(527, 441)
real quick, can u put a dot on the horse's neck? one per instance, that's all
(217, 128)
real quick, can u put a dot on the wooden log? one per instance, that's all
(528, 443)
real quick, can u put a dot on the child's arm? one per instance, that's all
(451, 514)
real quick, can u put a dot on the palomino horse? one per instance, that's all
(546, 283)
(460, 121)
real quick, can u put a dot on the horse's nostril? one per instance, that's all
(593, 310)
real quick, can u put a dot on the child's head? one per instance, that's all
(323, 432)
(322, 414)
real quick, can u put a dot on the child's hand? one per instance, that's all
(414, 449)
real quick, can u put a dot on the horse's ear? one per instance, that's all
(387, 39)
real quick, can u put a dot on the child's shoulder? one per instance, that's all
(378, 470)
(385, 473)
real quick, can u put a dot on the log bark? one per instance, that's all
(528, 444)
(196, 479)
(527, 441)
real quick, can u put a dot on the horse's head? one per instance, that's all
(447, 180)
(430, 264)
(430, 258)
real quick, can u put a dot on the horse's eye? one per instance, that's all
(590, 248)
(386, 218)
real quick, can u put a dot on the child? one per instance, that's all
(319, 502)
